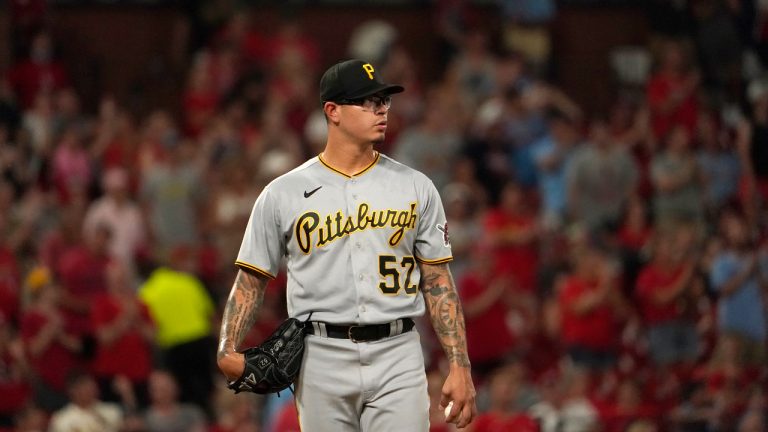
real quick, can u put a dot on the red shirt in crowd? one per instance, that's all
(199, 108)
(130, 354)
(15, 389)
(9, 284)
(495, 422)
(651, 281)
(29, 78)
(634, 239)
(82, 275)
(660, 88)
(14, 394)
(249, 43)
(595, 329)
(519, 260)
(488, 336)
(55, 362)
(615, 418)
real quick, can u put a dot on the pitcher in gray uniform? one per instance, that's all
(366, 245)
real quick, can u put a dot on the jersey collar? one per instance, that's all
(375, 160)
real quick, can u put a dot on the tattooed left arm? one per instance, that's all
(447, 319)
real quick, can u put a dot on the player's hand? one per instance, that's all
(458, 388)
(232, 365)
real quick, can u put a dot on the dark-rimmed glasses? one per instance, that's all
(369, 103)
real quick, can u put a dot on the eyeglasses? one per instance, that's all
(369, 103)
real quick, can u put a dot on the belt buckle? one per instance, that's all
(349, 333)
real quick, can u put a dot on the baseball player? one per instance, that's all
(366, 245)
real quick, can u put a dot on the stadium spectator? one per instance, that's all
(85, 411)
(240, 33)
(432, 144)
(10, 273)
(718, 162)
(124, 333)
(629, 406)
(240, 413)
(739, 276)
(39, 127)
(666, 299)
(464, 210)
(512, 231)
(678, 182)
(172, 194)
(600, 179)
(65, 233)
(182, 311)
(81, 271)
(718, 46)
(552, 155)
(592, 307)
(115, 139)
(474, 66)
(695, 411)
(275, 147)
(487, 297)
(40, 73)
(200, 100)
(672, 91)
(565, 405)
(233, 200)
(50, 341)
(30, 419)
(72, 171)
(505, 386)
(755, 418)
(634, 236)
(117, 211)
(165, 413)
(15, 390)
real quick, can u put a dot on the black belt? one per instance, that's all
(360, 333)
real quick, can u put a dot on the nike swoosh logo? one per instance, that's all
(309, 194)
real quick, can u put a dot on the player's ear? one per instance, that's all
(332, 111)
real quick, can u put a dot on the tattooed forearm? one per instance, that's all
(445, 312)
(241, 309)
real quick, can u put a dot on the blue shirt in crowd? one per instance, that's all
(743, 311)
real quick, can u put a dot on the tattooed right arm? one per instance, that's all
(240, 313)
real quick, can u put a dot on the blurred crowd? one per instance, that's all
(613, 266)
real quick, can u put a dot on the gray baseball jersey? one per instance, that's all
(352, 243)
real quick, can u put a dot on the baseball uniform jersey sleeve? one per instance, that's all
(262, 246)
(432, 244)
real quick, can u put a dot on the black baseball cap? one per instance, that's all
(353, 79)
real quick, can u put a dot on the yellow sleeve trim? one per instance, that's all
(254, 268)
(434, 261)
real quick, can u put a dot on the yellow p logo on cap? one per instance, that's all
(369, 70)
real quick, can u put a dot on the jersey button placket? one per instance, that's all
(358, 262)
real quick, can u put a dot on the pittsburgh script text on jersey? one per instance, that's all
(309, 223)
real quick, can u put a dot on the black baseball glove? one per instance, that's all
(273, 366)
